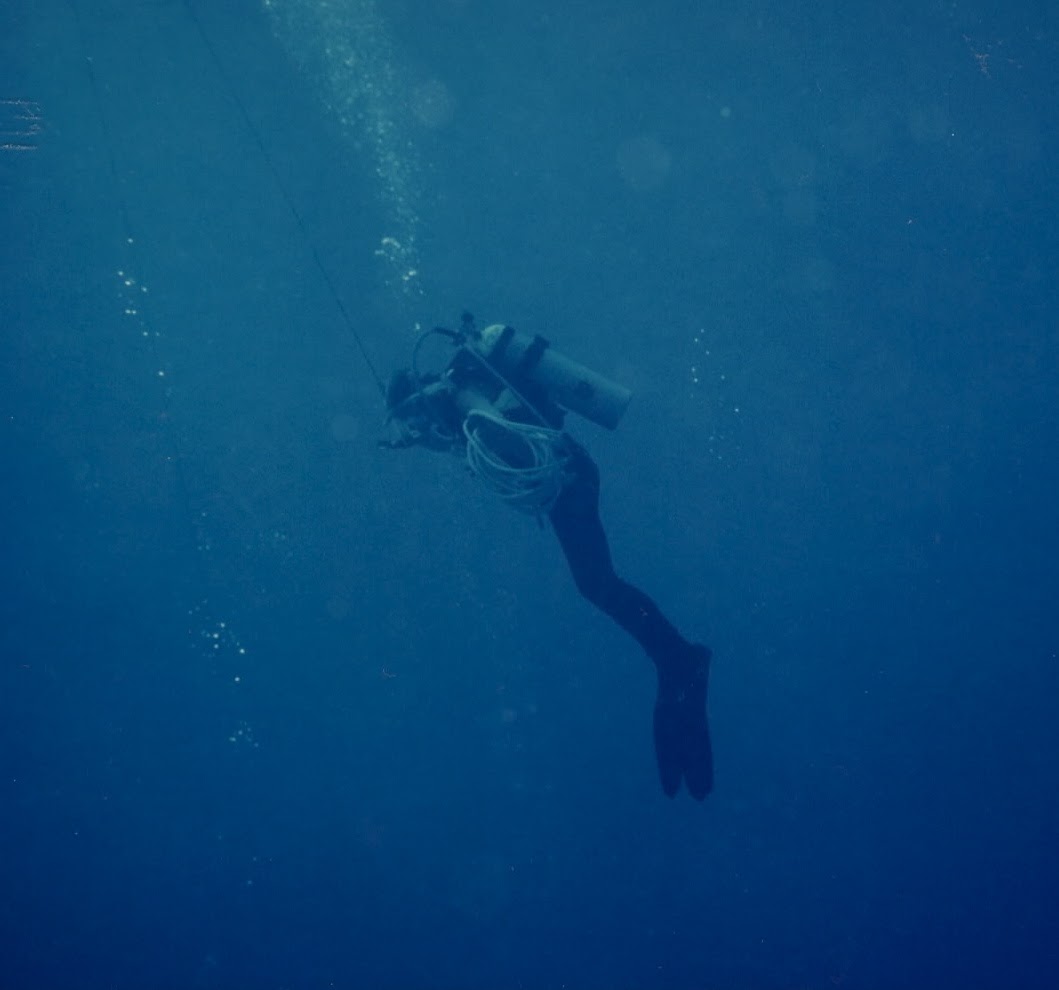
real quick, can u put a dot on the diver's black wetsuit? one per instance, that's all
(682, 740)
(429, 411)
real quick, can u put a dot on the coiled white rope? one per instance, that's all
(533, 487)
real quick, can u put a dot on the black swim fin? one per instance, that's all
(681, 729)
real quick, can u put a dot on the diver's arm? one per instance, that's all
(429, 417)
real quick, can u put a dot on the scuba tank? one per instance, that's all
(518, 357)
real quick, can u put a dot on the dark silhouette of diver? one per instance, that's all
(500, 403)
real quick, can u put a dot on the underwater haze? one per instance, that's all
(282, 709)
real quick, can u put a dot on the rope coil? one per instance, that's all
(532, 487)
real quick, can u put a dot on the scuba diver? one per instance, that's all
(500, 405)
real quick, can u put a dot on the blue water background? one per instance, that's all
(281, 710)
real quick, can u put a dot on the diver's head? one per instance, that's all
(402, 385)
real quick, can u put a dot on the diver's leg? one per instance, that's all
(682, 742)
(575, 518)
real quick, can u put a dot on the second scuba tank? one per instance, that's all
(569, 384)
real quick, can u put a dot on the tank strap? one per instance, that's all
(531, 357)
(505, 338)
